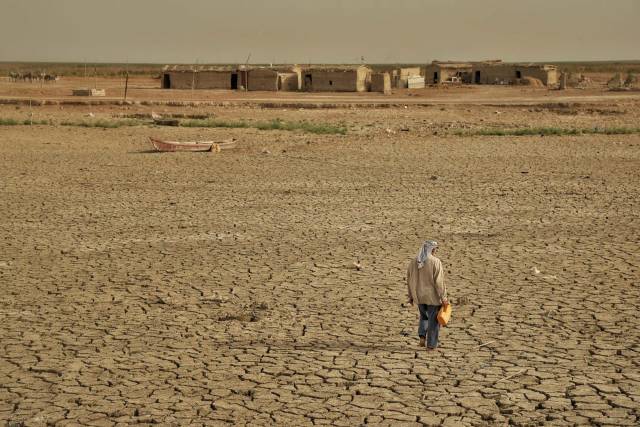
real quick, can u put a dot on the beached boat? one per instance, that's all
(168, 146)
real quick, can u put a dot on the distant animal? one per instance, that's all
(13, 76)
(50, 78)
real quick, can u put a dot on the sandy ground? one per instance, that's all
(218, 288)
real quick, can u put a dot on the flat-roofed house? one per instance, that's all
(403, 74)
(506, 73)
(202, 77)
(356, 78)
(445, 71)
(381, 82)
(274, 79)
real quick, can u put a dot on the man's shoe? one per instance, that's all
(422, 341)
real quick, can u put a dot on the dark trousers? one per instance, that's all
(429, 325)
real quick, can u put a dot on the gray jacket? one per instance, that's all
(426, 285)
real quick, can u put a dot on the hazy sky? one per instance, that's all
(301, 31)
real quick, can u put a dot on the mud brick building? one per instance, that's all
(194, 77)
(505, 73)
(274, 79)
(489, 72)
(381, 82)
(441, 72)
(402, 75)
(355, 78)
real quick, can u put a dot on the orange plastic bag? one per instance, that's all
(444, 314)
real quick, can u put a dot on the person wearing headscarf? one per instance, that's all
(426, 288)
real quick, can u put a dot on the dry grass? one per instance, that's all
(25, 122)
(276, 124)
(548, 131)
(599, 66)
(101, 123)
(78, 69)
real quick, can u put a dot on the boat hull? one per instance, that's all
(170, 146)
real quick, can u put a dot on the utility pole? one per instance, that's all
(246, 73)
(193, 76)
(126, 79)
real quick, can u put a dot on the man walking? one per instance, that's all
(425, 284)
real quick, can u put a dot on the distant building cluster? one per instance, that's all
(490, 72)
(356, 78)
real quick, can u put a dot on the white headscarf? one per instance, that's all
(427, 247)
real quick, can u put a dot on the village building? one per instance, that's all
(356, 78)
(274, 79)
(489, 72)
(448, 72)
(505, 73)
(381, 82)
(394, 76)
(402, 75)
(336, 79)
(289, 82)
(202, 77)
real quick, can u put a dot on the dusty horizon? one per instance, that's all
(288, 31)
(90, 63)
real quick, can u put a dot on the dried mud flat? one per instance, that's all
(183, 289)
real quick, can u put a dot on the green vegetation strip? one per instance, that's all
(317, 128)
(107, 124)
(212, 123)
(26, 122)
(550, 131)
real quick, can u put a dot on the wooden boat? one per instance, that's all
(169, 146)
(226, 144)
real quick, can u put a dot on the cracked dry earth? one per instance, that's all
(185, 289)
